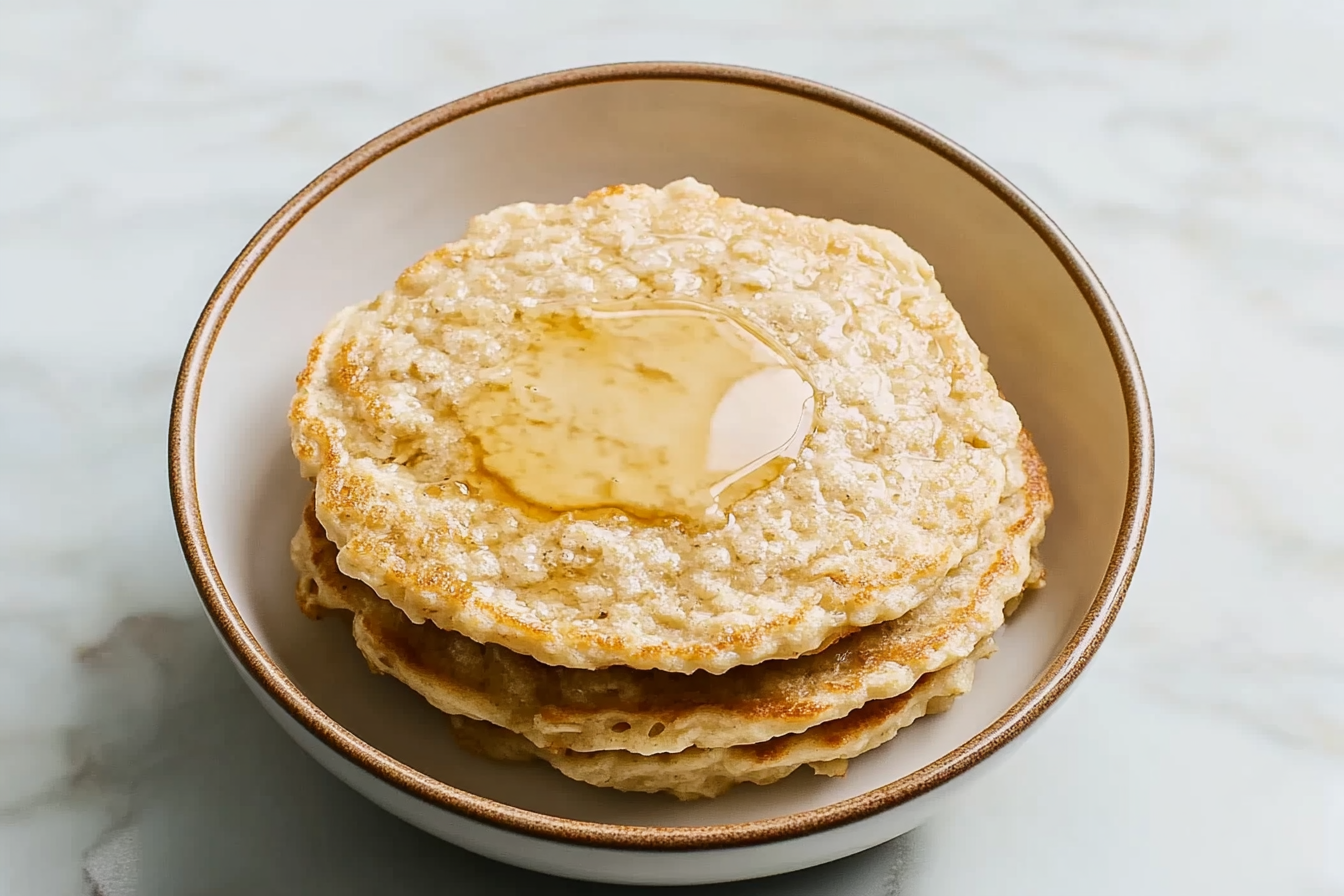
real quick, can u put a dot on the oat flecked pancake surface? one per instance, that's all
(696, 773)
(908, 460)
(650, 711)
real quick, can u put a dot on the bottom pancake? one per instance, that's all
(650, 711)
(695, 772)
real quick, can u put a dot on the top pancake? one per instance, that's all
(908, 460)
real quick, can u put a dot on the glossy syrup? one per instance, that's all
(656, 408)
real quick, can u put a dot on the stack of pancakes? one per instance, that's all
(805, 623)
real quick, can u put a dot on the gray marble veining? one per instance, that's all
(1193, 149)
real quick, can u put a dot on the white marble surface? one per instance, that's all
(1193, 149)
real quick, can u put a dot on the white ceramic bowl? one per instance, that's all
(1056, 344)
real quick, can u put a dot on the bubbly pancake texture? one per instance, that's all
(908, 459)
(696, 773)
(651, 711)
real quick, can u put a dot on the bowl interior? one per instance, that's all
(768, 147)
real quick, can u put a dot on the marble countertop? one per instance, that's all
(1194, 150)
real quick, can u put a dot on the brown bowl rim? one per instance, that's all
(1051, 684)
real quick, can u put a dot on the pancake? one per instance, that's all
(696, 773)
(650, 711)
(910, 456)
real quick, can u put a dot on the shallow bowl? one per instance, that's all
(1056, 344)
